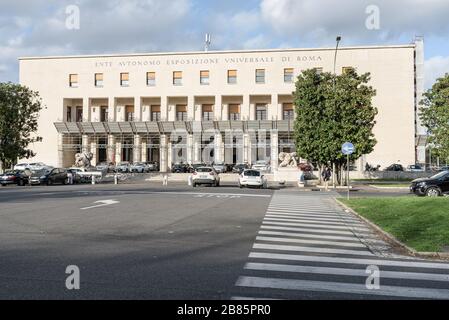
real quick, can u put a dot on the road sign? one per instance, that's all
(348, 148)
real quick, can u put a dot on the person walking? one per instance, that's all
(327, 174)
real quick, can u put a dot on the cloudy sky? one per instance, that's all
(39, 27)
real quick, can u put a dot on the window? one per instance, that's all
(79, 114)
(204, 77)
(232, 76)
(346, 70)
(288, 75)
(104, 114)
(234, 112)
(177, 78)
(261, 112)
(155, 113)
(208, 112)
(288, 112)
(129, 113)
(69, 114)
(73, 80)
(151, 79)
(181, 113)
(124, 79)
(98, 79)
(260, 76)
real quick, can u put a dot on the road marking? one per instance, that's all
(309, 218)
(309, 236)
(313, 222)
(229, 195)
(345, 272)
(365, 262)
(311, 228)
(341, 287)
(312, 249)
(102, 203)
(304, 241)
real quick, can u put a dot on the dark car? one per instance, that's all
(240, 167)
(180, 168)
(76, 178)
(56, 175)
(17, 177)
(434, 186)
(395, 167)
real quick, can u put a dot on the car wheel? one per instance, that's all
(194, 185)
(433, 192)
(240, 186)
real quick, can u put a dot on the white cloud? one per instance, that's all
(435, 68)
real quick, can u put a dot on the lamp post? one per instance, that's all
(335, 73)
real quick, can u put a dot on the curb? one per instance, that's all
(392, 239)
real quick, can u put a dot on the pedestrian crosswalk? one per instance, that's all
(307, 247)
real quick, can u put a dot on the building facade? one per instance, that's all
(222, 107)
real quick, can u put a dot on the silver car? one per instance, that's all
(139, 167)
(123, 167)
(261, 165)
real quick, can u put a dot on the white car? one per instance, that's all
(252, 178)
(205, 175)
(21, 166)
(37, 166)
(261, 165)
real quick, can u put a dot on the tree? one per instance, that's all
(19, 112)
(332, 110)
(434, 115)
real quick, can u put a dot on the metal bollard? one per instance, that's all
(93, 179)
(115, 179)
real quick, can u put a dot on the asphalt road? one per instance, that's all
(156, 243)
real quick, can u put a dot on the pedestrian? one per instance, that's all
(327, 174)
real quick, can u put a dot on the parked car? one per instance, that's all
(73, 174)
(123, 167)
(139, 167)
(415, 168)
(152, 166)
(38, 166)
(205, 175)
(106, 167)
(56, 175)
(434, 186)
(21, 166)
(17, 177)
(180, 168)
(261, 165)
(252, 178)
(445, 168)
(395, 167)
(238, 168)
(220, 167)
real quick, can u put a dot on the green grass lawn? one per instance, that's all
(420, 223)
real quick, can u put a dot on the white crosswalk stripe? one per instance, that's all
(307, 245)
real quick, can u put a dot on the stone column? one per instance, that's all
(120, 113)
(118, 152)
(111, 109)
(137, 155)
(85, 143)
(163, 153)
(252, 111)
(137, 109)
(164, 108)
(111, 148)
(190, 108)
(218, 148)
(86, 109)
(60, 150)
(273, 110)
(190, 149)
(246, 148)
(274, 150)
(196, 149)
(93, 150)
(225, 112)
(245, 108)
(218, 108)
(144, 153)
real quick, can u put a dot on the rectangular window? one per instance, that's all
(346, 70)
(204, 77)
(261, 112)
(73, 80)
(129, 113)
(104, 114)
(288, 111)
(177, 78)
(181, 113)
(260, 76)
(288, 75)
(208, 112)
(79, 114)
(98, 79)
(151, 79)
(69, 114)
(155, 113)
(124, 79)
(234, 112)
(232, 76)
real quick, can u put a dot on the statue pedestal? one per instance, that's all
(287, 175)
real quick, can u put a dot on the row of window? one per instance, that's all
(177, 77)
(181, 113)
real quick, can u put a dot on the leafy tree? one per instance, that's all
(332, 110)
(434, 115)
(19, 112)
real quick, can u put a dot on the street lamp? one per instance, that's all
(335, 74)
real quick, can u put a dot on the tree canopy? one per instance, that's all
(434, 114)
(19, 112)
(331, 110)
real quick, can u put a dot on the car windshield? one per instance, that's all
(440, 175)
(252, 173)
(204, 170)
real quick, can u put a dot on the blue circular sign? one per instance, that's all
(347, 148)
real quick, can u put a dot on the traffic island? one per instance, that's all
(420, 226)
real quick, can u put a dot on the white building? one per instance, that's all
(134, 107)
